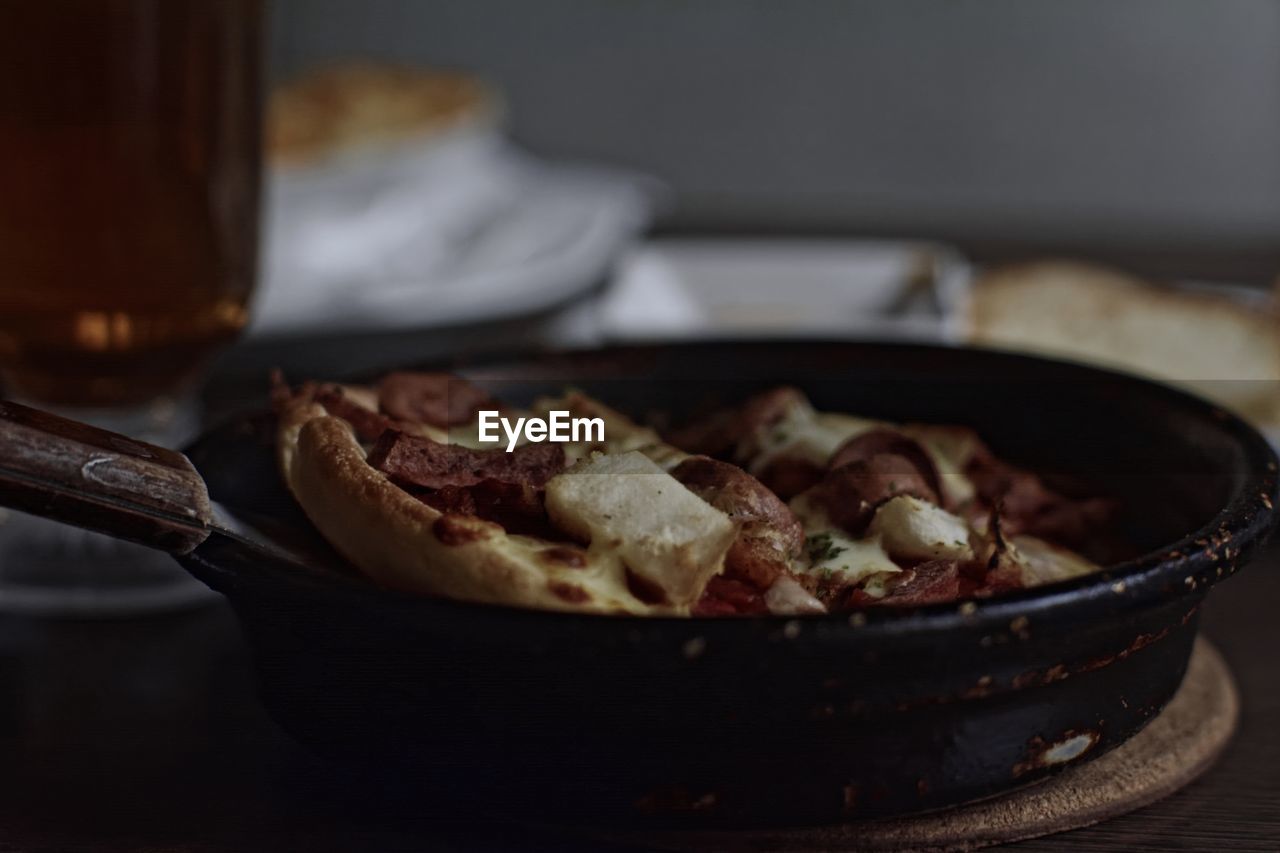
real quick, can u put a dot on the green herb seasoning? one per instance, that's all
(821, 548)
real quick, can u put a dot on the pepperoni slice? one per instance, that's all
(414, 461)
(439, 399)
(787, 476)
(368, 425)
(861, 448)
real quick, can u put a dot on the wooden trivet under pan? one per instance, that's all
(1176, 747)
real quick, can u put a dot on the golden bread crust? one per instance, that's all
(341, 107)
(1096, 314)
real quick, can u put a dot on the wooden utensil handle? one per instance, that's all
(89, 477)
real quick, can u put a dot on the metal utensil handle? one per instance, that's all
(89, 477)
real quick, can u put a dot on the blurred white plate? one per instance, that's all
(450, 234)
(784, 286)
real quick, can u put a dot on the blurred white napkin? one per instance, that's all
(465, 229)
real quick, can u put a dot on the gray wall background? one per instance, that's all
(1139, 124)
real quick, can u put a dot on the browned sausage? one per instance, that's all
(788, 476)
(368, 425)
(932, 582)
(851, 493)
(515, 507)
(1027, 505)
(880, 440)
(505, 488)
(720, 433)
(770, 535)
(411, 460)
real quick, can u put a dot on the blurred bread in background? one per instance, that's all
(1214, 345)
(348, 106)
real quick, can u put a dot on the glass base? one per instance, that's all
(52, 569)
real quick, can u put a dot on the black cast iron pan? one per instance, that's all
(757, 720)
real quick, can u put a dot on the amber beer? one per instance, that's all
(129, 157)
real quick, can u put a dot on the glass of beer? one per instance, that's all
(129, 177)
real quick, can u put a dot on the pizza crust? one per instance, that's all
(401, 543)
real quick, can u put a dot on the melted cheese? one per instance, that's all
(805, 434)
(603, 576)
(849, 560)
(838, 554)
(360, 395)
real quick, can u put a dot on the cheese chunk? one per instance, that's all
(1043, 562)
(786, 597)
(627, 505)
(916, 529)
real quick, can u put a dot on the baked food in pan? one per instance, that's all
(766, 507)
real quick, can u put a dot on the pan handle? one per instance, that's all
(89, 477)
